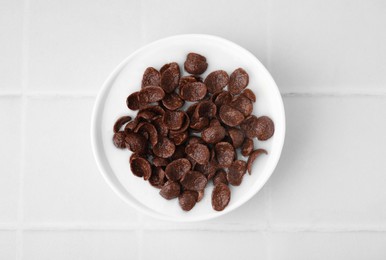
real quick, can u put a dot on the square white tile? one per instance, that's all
(10, 148)
(8, 247)
(11, 23)
(332, 46)
(244, 22)
(62, 182)
(204, 245)
(74, 45)
(41, 245)
(321, 246)
(332, 170)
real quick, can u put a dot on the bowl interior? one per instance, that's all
(126, 78)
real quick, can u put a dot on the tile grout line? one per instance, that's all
(139, 226)
(283, 94)
(24, 82)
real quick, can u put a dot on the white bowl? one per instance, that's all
(126, 78)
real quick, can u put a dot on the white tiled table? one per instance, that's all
(327, 197)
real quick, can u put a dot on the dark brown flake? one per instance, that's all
(193, 91)
(135, 142)
(230, 116)
(225, 154)
(236, 172)
(247, 146)
(121, 122)
(170, 77)
(198, 152)
(177, 169)
(187, 200)
(221, 195)
(220, 177)
(151, 94)
(236, 136)
(140, 167)
(172, 101)
(194, 180)
(213, 134)
(151, 77)
(238, 81)
(119, 139)
(195, 63)
(164, 148)
(170, 190)
(216, 81)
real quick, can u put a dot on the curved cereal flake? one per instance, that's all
(140, 167)
(160, 162)
(151, 94)
(177, 169)
(179, 153)
(185, 125)
(151, 77)
(170, 77)
(207, 169)
(236, 172)
(187, 200)
(150, 131)
(156, 110)
(135, 142)
(230, 116)
(119, 139)
(160, 126)
(247, 146)
(157, 178)
(220, 177)
(213, 134)
(170, 190)
(172, 101)
(216, 81)
(249, 94)
(199, 124)
(186, 80)
(120, 122)
(243, 104)
(265, 128)
(145, 114)
(179, 138)
(238, 81)
(252, 158)
(205, 108)
(195, 140)
(199, 153)
(195, 63)
(236, 136)
(174, 119)
(194, 180)
(132, 101)
(221, 195)
(193, 91)
(225, 154)
(164, 148)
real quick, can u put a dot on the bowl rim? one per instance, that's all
(94, 126)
